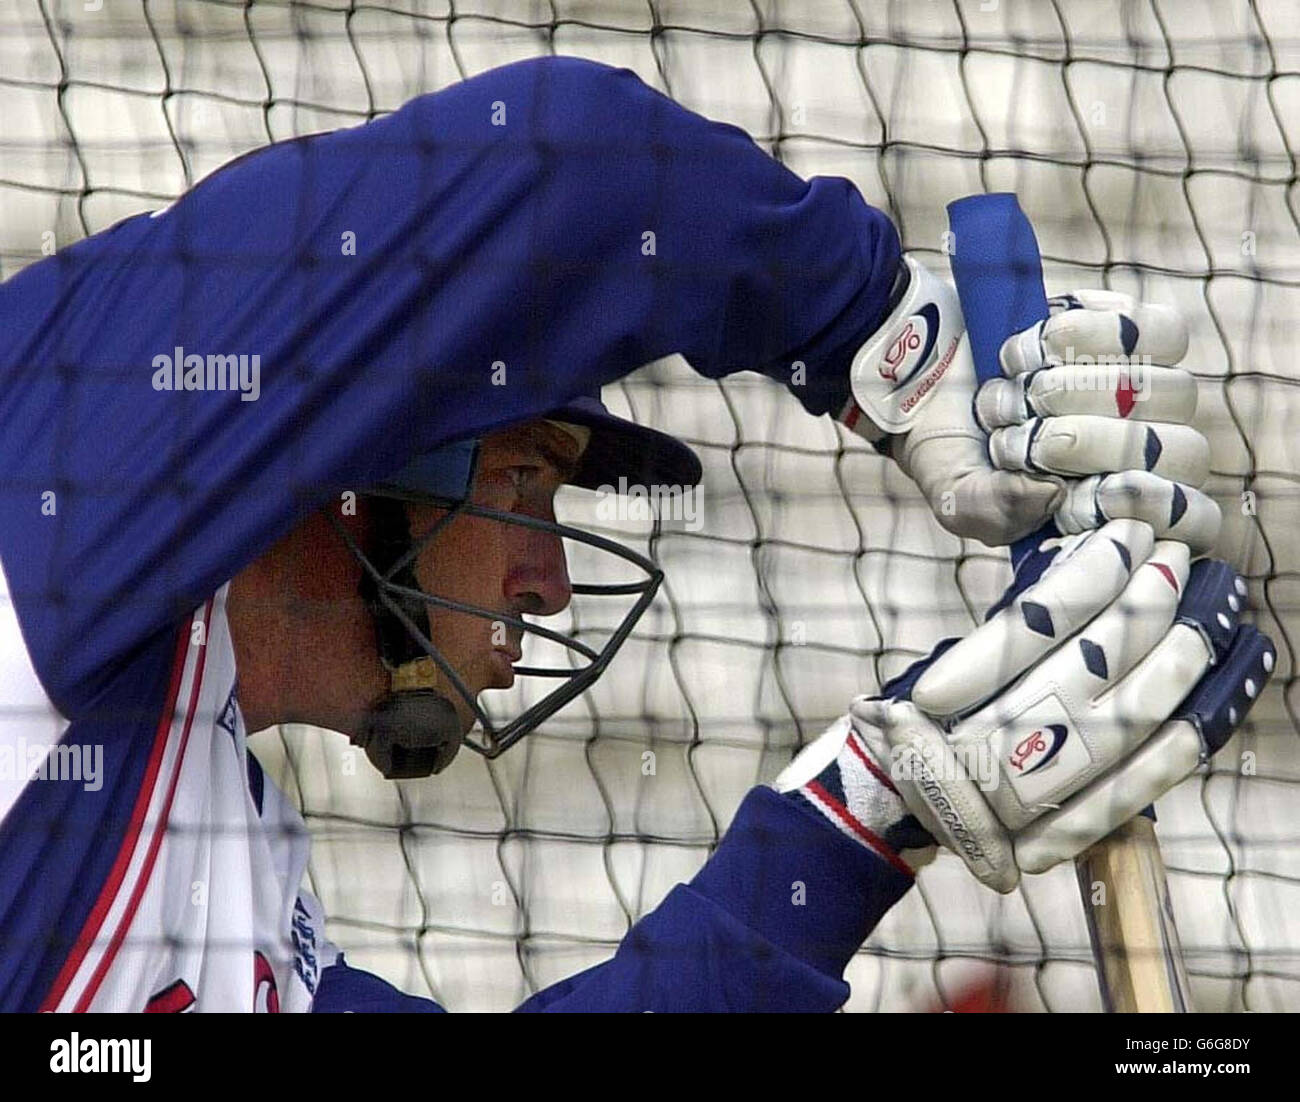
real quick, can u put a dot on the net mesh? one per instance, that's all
(1152, 144)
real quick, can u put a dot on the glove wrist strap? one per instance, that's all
(894, 373)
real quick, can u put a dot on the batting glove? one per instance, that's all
(1091, 422)
(1107, 673)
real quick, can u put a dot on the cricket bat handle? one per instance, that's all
(999, 277)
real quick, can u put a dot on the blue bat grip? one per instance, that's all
(999, 277)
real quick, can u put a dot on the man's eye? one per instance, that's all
(523, 477)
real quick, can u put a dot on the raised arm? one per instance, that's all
(472, 260)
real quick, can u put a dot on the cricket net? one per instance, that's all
(1152, 144)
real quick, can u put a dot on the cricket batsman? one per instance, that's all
(286, 451)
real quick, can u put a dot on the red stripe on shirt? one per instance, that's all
(159, 832)
(113, 882)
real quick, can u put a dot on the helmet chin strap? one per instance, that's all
(414, 729)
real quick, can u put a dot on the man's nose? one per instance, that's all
(539, 582)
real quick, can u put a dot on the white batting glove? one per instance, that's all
(1098, 685)
(1061, 437)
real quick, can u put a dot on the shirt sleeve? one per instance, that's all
(768, 924)
(472, 260)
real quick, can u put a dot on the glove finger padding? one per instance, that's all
(1173, 510)
(1136, 393)
(1098, 324)
(1080, 445)
(1084, 578)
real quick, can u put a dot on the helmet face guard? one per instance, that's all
(416, 731)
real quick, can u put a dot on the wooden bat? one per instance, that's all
(999, 278)
(1131, 923)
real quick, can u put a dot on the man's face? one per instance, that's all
(506, 568)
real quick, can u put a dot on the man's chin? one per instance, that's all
(468, 717)
(502, 671)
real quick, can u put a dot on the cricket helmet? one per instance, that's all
(415, 730)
